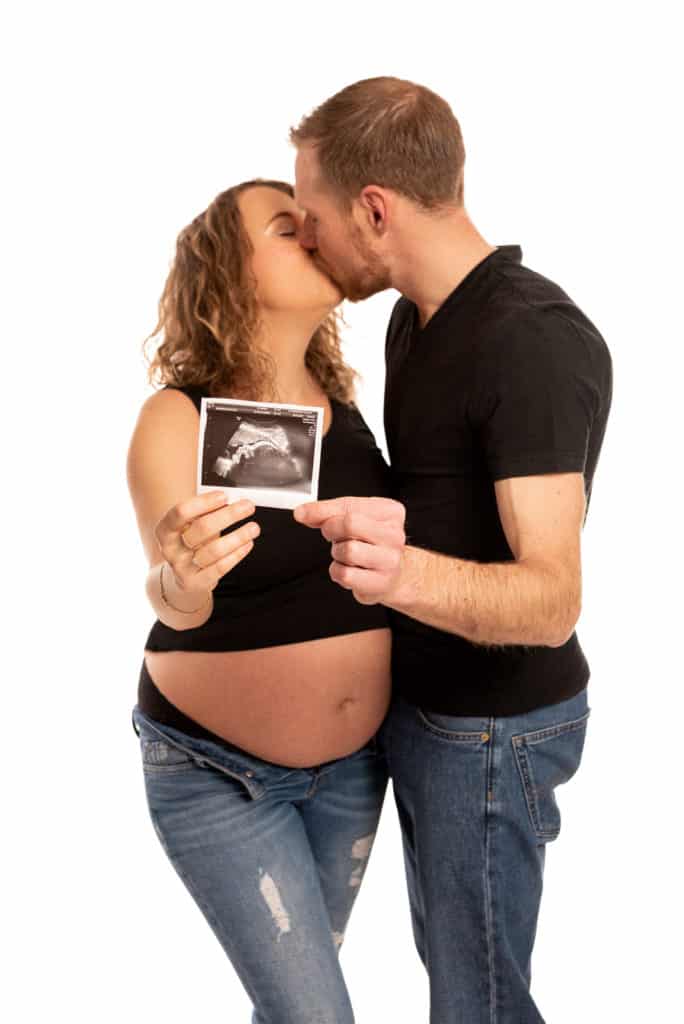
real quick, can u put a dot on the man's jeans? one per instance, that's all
(477, 806)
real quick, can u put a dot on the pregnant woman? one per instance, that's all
(263, 683)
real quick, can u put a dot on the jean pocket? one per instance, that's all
(162, 756)
(455, 728)
(547, 758)
(158, 755)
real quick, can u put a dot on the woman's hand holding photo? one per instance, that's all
(189, 536)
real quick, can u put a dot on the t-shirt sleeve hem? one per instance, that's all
(533, 463)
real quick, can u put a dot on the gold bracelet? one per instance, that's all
(168, 603)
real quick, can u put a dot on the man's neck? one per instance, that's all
(438, 256)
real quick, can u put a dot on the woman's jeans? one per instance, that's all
(273, 856)
(476, 803)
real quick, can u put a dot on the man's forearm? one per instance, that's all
(487, 603)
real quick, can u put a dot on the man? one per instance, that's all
(496, 400)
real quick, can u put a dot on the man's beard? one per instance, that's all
(366, 280)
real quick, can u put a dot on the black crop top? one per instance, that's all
(281, 592)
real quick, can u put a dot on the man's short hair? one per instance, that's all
(387, 132)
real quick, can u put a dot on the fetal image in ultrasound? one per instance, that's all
(269, 452)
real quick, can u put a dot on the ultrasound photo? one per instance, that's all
(265, 451)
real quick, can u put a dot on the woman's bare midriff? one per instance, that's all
(295, 704)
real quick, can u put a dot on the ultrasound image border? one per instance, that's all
(266, 497)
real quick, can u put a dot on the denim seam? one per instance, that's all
(519, 744)
(196, 894)
(528, 788)
(446, 734)
(539, 735)
(166, 738)
(489, 910)
(313, 786)
(255, 789)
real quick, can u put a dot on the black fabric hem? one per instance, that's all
(450, 676)
(478, 702)
(163, 638)
(537, 463)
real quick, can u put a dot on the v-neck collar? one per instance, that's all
(507, 252)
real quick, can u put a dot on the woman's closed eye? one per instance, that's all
(284, 225)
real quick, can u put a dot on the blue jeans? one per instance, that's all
(273, 856)
(476, 803)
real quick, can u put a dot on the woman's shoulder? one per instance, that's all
(347, 409)
(171, 400)
(193, 391)
(350, 421)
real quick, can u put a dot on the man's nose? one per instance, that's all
(306, 236)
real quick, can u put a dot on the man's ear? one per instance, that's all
(375, 206)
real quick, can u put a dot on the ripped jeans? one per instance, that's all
(273, 856)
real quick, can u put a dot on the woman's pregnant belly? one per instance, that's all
(295, 704)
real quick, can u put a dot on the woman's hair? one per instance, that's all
(209, 314)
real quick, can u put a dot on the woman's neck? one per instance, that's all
(286, 342)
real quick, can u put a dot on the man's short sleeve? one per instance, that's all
(537, 397)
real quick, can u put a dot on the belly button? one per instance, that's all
(346, 702)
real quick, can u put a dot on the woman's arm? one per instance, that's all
(161, 468)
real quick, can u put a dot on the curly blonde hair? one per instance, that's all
(208, 315)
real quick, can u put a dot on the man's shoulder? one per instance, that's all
(400, 315)
(528, 310)
(401, 309)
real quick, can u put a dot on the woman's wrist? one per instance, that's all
(180, 609)
(177, 600)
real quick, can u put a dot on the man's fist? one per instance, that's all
(368, 540)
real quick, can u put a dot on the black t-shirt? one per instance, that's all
(282, 593)
(508, 378)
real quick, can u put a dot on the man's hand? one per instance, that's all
(368, 541)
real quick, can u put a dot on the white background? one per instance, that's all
(121, 123)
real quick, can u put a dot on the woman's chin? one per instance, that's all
(335, 292)
(330, 287)
(330, 298)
